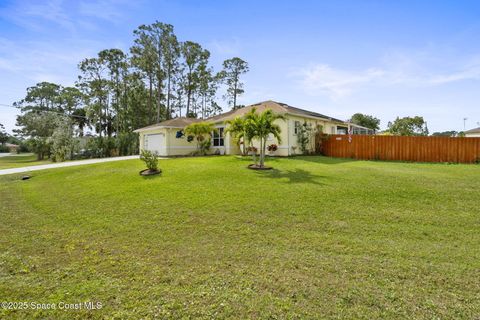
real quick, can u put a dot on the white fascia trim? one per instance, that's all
(312, 117)
(156, 128)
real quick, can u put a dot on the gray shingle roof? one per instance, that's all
(475, 130)
(277, 107)
(179, 122)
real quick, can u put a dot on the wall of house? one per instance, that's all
(179, 146)
(288, 137)
(173, 146)
(230, 146)
(290, 140)
(472, 135)
(289, 145)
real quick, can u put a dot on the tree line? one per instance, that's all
(160, 77)
(406, 126)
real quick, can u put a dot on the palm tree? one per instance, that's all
(201, 131)
(236, 128)
(260, 126)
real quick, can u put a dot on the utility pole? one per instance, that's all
(464, 122)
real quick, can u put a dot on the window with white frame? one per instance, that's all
(218, 138)
(296, 129)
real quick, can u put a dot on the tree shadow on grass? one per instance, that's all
(296, 175)
(151, 177)
(321, 159)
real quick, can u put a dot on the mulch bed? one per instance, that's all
(257, 167)
(148, 172)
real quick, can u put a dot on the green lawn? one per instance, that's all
(315, 238)
(20, 160)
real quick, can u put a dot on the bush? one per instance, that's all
(127, 143)
(4, 148)
(100, 147)
(205, 146)
(273, 147)
(150, 159)
(252, 150)
(63, 144)
(23, 147)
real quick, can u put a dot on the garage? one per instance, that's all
(155, 143)
(167, 137)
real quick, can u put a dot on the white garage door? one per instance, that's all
(155, 143)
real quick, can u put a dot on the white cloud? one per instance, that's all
(396, 70)
(225, 47)
(322, 78)
(108, 10)
(49, 61)
(33, 15)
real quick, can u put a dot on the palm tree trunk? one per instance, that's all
(243, 145)
(261, 152)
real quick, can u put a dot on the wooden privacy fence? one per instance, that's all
(421, 149)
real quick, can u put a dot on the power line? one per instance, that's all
(60, 113)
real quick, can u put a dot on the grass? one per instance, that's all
(21, 160)
(314, 238)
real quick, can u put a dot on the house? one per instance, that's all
(167, 137)
(13, 147)
(474, 133)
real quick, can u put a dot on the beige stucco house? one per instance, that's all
(167, 139)
(473, 133)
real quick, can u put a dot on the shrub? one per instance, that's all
(252, 149)
(23, 147)
(126, 143)
(304, 137)
(150, 158)
(205, 146)
(100, 147)
(272, 147)
(63, 144)
(202, 132)
(4, 148)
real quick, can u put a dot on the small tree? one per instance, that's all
(202, 132)
(62, 141)
(151, 160)
(39, 126)
(366, 120)
(408, 126)
(260, 126)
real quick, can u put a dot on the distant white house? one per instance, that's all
(473, 133)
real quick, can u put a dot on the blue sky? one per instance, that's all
(385, 58)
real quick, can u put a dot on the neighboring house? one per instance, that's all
(167, 138)
(474, 133)
(13, 147)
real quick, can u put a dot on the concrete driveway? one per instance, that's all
(64, 164)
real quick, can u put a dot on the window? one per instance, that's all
(342, 130)
(218, 138)
(297, 127)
